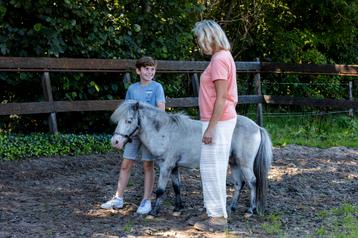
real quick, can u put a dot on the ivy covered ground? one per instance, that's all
(312, 193)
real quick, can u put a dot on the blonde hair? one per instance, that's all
(210, 37)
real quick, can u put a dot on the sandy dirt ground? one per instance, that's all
(61, 197)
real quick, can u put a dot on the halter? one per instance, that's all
(129, 136)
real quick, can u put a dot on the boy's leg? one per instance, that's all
(124, 173)
(148, 179)
(130, 154)
(117, 201)
(145, 206)
(148, 167)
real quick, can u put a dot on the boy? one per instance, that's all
(151, 92)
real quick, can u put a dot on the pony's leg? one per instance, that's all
(176, 186)
(251, 183)
(164, 175)
(238, 184)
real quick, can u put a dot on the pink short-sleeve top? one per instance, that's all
(222, 66)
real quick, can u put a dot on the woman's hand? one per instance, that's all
(208, 136)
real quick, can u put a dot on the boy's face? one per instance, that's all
(146, 73)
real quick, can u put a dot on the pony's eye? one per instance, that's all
(129, 121)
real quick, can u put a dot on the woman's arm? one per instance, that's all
(221, 92)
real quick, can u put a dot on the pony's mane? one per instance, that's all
(178, 119)
(173, 119)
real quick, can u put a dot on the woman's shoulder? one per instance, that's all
(222, 55)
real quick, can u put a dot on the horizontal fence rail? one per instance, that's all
(31, 64)
(326, 69)
(48, 65)
(110, 105)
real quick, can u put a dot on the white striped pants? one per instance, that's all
(213, 167)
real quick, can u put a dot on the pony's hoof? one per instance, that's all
(247, 215)
(149, 217)
(230, 210)
(176, 213)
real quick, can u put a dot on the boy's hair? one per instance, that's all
(145, 61)
(210, 36)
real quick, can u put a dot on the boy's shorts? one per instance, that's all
(135, 150)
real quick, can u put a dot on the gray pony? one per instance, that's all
(175, 141)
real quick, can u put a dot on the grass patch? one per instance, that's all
(341, 222)
(318, 131)
(273, 225)
(128, 226)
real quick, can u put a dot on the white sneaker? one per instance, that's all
(114, 203)
(145, 207)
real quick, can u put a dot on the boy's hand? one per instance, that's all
(161, 105)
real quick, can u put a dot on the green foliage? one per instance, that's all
(97, 29)
(15, 147)
(273, 225)
(317, 32)
(89, 29)
(319, 131)
(316, 131)
(339, 222)
(128, 226)
(290, 31)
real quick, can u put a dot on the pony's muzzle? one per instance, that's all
(117, 141)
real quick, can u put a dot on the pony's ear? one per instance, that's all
(114, 116)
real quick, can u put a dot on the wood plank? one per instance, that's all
(58, 106)
(195, 84)
(284, 100)
(326, 69)
(47, 91)
(42, 64)
(182, 102)
(88, 105)
(259, 111)
(64, 64)
(251, 99)
(97, 105)
(25, 108)
(110, 105)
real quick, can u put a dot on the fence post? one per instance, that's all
(47, 91)
(350, 94)
(195, 84)
(126, 80)
(259, 117)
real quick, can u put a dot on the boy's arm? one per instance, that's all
(161, 105)
(128, 94)
(160, 97)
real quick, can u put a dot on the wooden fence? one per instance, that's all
(52, 106)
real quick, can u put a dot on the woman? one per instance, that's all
(217, 103)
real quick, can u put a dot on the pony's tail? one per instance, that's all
(262, 166)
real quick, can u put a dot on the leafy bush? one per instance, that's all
(14, 147)
(316, 32)
(320, 131)
(89, 29)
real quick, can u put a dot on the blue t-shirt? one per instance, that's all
(151, 93)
